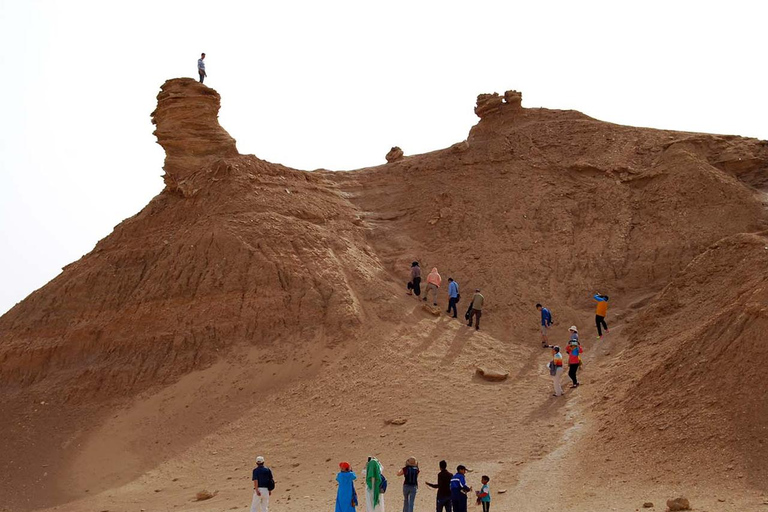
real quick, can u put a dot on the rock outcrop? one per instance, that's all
(394, 154)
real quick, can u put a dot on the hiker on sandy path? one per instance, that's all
(477, 309)
(443, 486)
(574, 351)
(263, 485)
(433, 283)
(556, 370)
(453, 296)
(201, 67)
(410, 483)
(459, 489)
(414, 285)
(374, 498)
(600, 313)
(546, 323)
(346, 497)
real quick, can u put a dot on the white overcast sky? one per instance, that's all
(329, 84)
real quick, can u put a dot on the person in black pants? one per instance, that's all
(453, 296)
(443, 487)
(414, 285)
(459, 489)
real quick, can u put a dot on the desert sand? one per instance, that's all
(253, 309)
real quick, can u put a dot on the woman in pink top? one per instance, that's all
(433, 283)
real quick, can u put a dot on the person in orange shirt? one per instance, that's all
(600, 312)
(433, 283)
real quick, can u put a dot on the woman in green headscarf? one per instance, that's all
(374, 499)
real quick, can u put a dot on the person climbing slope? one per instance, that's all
(263, 485)
(374, 499)
(600, 313)
(574, 351)
(557, 365)
(346, 497)
(453, 296)
(433, 283)
(414, 285)
(546, 323)
(477, 309)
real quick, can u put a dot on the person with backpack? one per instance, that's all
(546, 323)
(375, 486)
(453, 296)
(433, 283)
(346, 497)
(414, 285)
(476, 310)
(410, 474)
(263, 485)
(600, 313)
(443, 486)
(459, 489)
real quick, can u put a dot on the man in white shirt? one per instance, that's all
(201, 67)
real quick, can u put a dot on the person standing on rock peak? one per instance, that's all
(453, 296)
(414, 285)
(476, 310)
(433, 283)
(600, 312)
(546, 323)
(201, 67)
(263, 485)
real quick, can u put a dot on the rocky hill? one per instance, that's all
(247, 287)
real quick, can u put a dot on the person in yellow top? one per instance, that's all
(600, 313)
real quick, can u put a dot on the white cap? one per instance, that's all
(260, 460)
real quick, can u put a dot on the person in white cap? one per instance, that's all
(263, 485)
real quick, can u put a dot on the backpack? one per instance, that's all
(411, 474)
(383, 485)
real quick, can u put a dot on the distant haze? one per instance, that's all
(328, 85)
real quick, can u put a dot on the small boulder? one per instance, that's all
(647, 504)
(678, 504)
(513, 98)
(434, 310)
(488, 104)
(204, 495)
(460, 147)
(396, 421)
(492, 375)
(394, 154)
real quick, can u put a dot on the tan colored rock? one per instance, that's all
(492, 375)
(488, 104)
(394, 154)
(647, 504)
(678, 504)
(513, 98)
(204, 495)
(397, 421)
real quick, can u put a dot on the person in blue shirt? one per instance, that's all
(346, 497)
(453, 295)
(459, 490)
(546, 323)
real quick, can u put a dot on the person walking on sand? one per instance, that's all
(263, 485)
(453, 296)
(374, 499)
(346, 497)
(201, 67)
(546, 323)
(459, 490)
(600, 313)
(574, 351)
(433, 283)
(443, 486)
(414, 285)
(410, 483)
(477, 309)
(557, 366)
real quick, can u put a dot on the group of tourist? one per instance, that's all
(452, 488)
(434, 280)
